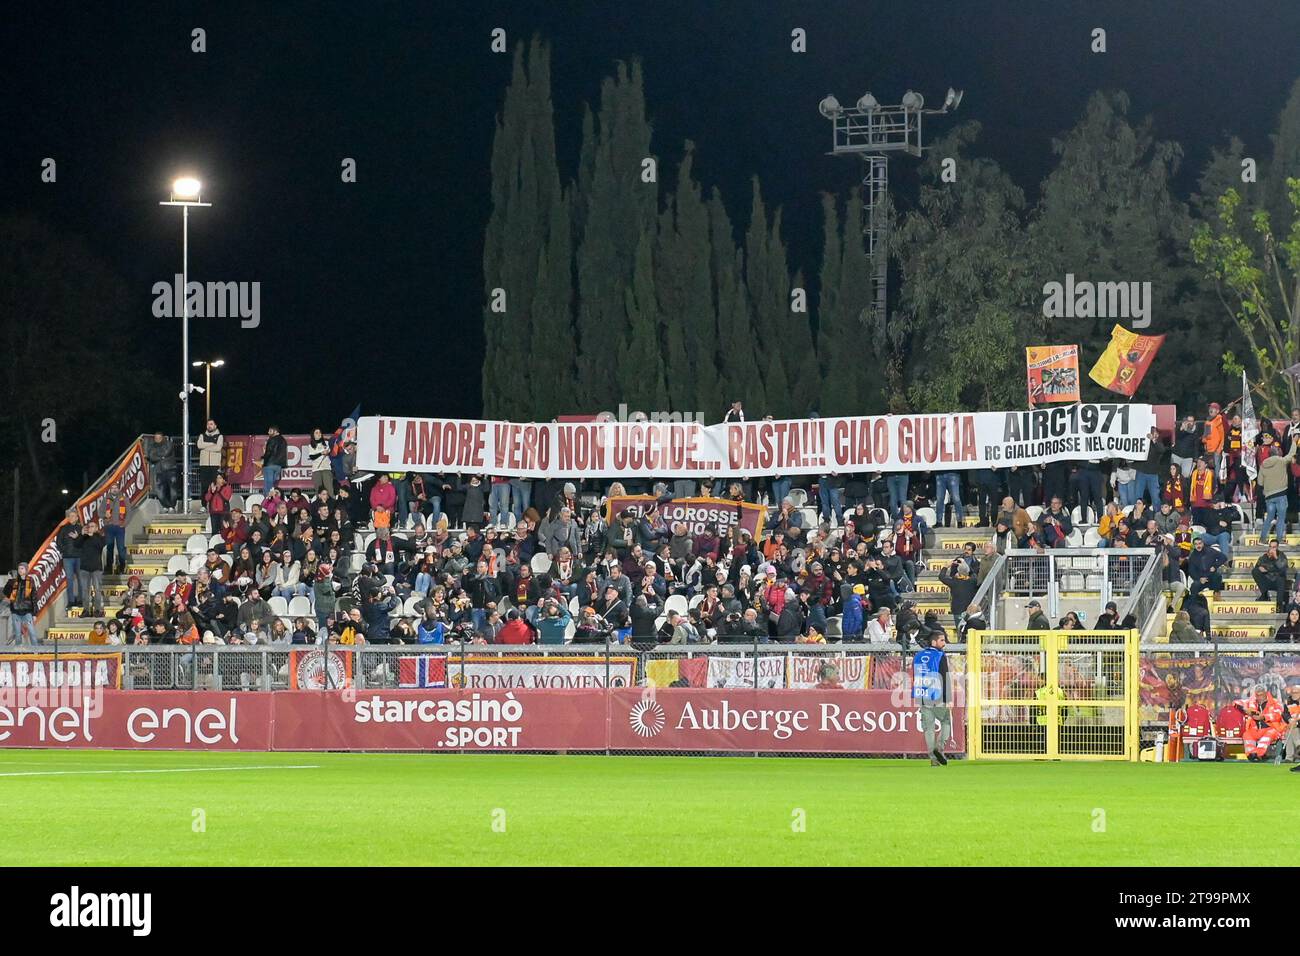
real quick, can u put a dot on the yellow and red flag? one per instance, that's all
(1123, 365)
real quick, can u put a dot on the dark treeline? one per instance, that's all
(627, 280)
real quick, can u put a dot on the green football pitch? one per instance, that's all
(203, 808)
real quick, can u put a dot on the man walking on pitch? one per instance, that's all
(930, 691)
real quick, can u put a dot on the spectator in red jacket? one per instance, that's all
(234, 532)
(217, 498)
(383, 495)
(517, 630)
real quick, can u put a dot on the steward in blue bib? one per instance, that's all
(928, 672)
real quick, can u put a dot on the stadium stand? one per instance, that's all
(461, 551)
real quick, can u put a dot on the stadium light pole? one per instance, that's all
(185, 193)
(207, 383)
(872, 131)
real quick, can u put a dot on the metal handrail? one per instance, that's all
(1150, 586)
(992, 587)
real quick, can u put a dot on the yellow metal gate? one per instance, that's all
(1052, 695)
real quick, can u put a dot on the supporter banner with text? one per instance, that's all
(243, 453)
(1053, 373)
(672, 719)
(28, 671)
(888, 443)
(131, 478)
(695, 513)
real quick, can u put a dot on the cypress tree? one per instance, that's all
(738, 368)
(618, 205)
(640, 366)
(525, 247)
(849, 360)
(767, 290)
(684, 282)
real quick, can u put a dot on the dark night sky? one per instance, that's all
(371, 292)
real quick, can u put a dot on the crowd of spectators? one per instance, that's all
(441, 557)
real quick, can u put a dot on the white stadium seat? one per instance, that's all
(158, 584)
(676, 602)
(541, 562)
(1034, 511)
(798, 496)
(927, 515)
(254, 500)
(197, 544)
(279, 606)
(300, 606)
(178, 562)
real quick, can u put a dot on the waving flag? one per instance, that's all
(1249, 429)
(1123, 365)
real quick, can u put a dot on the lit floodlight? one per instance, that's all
(186, 188)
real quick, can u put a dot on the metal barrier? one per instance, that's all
(1054, 695)
(266, 667)
(1108, 574)
(989, 595)
(271, 667)
(1146, 601)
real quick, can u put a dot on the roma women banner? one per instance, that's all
(890, 443)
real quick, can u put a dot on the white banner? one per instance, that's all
(887, 443)
(739, 672)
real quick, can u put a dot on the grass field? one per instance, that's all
(142, 808)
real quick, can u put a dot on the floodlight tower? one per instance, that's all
(873, 132)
